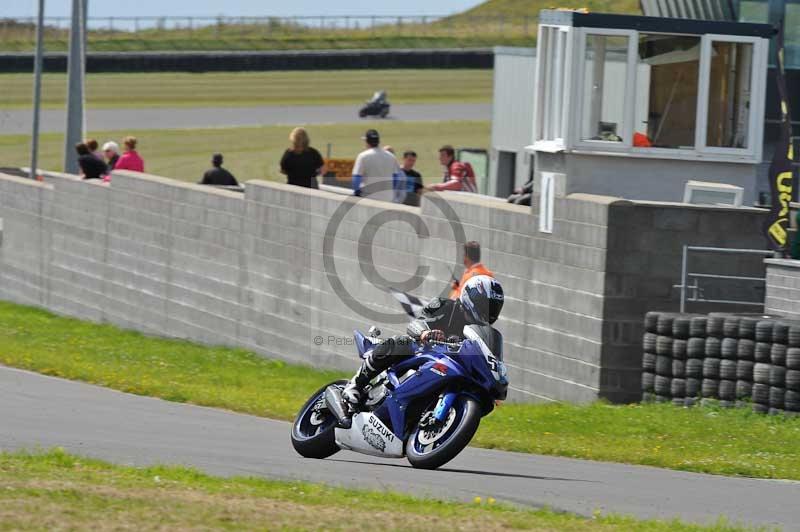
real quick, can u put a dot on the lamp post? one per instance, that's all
(37, 88)
(75, 84)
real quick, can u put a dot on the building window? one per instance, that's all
(666, 91)
(605, 74)
(729, 94)
(552, 84)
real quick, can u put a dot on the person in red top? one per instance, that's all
(457, 175)
(472, 267)
(130, 160)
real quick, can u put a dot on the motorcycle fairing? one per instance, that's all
(436, 368)
(369, 435)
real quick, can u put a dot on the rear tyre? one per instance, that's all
(429, 449)
(313, 428)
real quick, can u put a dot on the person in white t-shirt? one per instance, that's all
(374, 166)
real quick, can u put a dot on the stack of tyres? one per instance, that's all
(664, 343)
(695, 353)
(722, 359)
(681, 332)
(761, 368)
(777, 369)
(792, 397)
(712, 361)
(649, 357)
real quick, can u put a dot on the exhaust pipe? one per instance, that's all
(336, 404)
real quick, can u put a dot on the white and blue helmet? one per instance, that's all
(482, 299)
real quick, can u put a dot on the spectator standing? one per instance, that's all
(217, 175)
(111, 153)
(413, 179)
(301, 163)
(457, 175)
(91, 167)
(472, 267)
(373, 165)
(130, 160)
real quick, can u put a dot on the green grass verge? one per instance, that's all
(255, 152)
(730, 442)
(227, 89)
(43, 491)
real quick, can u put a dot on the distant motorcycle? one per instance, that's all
(377, 106)
(426, 408)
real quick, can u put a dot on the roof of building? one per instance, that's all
(654, 24)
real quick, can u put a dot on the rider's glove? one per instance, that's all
(435, 335)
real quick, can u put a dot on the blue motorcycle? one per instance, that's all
(426, 408)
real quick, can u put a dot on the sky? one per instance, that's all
(107, 8)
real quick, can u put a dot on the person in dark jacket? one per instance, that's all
(301, 163)
(91, 167)
(414, 183)
(217, 175)
(522, 196)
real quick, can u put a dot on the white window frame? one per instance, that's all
(700, 151)
(757, 97)
(557, 48)
(630, 87)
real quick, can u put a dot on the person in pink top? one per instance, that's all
(130, 160)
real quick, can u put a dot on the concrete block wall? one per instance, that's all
(552, 317)
(219, 267)
(644, 264)
(783, 288)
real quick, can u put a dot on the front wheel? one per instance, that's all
(313, 428)
(433, 445)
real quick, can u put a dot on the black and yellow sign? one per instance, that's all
(780, 170)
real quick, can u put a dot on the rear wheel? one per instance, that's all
(313, 429)
(432, 445)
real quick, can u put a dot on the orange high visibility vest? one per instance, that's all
(472, 271)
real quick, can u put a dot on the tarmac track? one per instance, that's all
(40, 411)
(18, 121)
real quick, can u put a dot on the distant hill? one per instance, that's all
(521, 8)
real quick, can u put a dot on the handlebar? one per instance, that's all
(445, 343)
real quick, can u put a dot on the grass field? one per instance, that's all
(55, 490)
(254, 153)
(730, 442)
(492, 23)
(180, 89)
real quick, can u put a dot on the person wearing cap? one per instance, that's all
(217, 175)
(374, 165)
(111, 153)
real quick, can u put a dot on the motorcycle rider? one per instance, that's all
(480, 303)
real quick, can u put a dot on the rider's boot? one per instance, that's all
(379, 360)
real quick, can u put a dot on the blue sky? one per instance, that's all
(106, 8)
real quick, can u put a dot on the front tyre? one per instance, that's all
(313, 428)
(431, 446)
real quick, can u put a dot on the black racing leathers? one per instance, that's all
(446, 315)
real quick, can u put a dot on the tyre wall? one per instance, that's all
(257, 61)
(722, 359)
